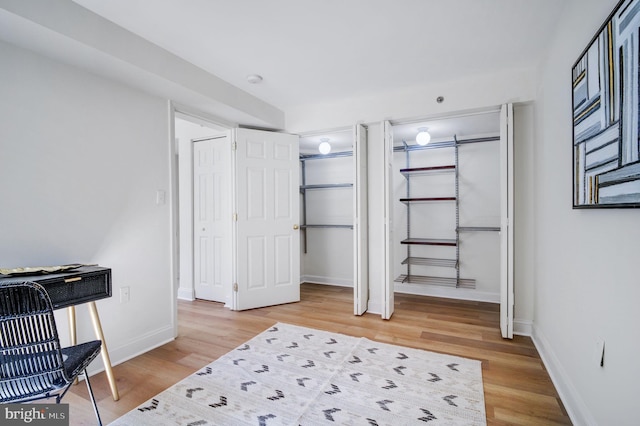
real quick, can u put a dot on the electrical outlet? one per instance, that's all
(124, 294)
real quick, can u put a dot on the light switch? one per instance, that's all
(124, 294)
(161, 197)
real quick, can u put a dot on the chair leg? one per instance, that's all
(93, 399)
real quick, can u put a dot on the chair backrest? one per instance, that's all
(30, 357)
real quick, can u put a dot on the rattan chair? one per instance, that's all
(32, 364)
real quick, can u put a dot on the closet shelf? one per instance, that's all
(304, 157)
(429, 261)
(427, 170)
(325, 226)
(478, 228)
(430, 242)
(326, 186)
(426, 199)
(433, 145)
(442, 281)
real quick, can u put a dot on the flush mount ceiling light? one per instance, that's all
(423, 137)
(254, 78)
(325, 146)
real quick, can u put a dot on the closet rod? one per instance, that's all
(326, 226)
(478, 228)
(444, 144)
(304, 157)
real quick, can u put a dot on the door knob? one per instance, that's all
(295, 227)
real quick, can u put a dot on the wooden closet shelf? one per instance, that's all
(426, 199)
(430, 241)
(424, 170)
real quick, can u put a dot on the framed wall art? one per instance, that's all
(606, 115)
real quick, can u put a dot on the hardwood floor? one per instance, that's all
(518, 390)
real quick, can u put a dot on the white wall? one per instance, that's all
(586, 268)
(82, 159)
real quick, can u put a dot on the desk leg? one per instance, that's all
(97, 327)
(73, 337)
(72, 325)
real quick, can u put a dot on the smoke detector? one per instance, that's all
(254, 78)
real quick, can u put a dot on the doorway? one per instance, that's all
(334, 211)
(238, 215)
(199, 229)
(198, 140)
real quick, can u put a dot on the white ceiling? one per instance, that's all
(312, 51)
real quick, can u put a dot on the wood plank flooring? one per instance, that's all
(518, 390)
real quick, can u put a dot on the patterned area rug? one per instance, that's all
(290, 375)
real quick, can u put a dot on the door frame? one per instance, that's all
(176, 110)
(507, 207)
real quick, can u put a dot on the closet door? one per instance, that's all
(388, 292)
(212, 240)
(360, 223)
(506, 226)
(267, 232)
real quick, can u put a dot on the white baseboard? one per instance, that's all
(522, 327)
(186, 294)
(317, 279)
(135, 347)
(573, 403)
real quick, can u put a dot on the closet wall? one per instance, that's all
(327, 210)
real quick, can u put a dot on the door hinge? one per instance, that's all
(235, 217)
(234, 146)
(235, 287)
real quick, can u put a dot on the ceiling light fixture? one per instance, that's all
(325, 146)
(423, 137)
(254, 78)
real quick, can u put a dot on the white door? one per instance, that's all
(212, 218)
(267, 232)
(388, 293)
(360, 223)
(506, 226)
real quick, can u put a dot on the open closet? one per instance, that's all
(333, 210)
(258, 208)
(449, 204)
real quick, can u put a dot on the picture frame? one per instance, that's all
(606, 114)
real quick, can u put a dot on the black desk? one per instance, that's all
(68, 289)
